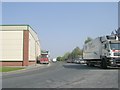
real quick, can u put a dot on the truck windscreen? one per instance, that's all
(44, 56)
(115, 46)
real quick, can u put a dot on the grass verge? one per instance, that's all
(7, 69)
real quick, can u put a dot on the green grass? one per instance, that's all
(7, 69)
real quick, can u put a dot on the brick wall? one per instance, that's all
(11, 63)
(32, 62)
(25, 47)
(25, 61)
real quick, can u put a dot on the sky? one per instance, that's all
(61, 26)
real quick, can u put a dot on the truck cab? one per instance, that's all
(44, 57)
(111, 50)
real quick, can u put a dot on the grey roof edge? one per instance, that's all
(19, 25)
(14, 25)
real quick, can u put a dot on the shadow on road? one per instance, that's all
(79, 66)
(85, 67)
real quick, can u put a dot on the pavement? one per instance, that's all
(27, 68)
(36, 66)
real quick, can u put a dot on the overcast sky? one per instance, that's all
(63, 26)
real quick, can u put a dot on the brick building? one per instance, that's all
(20, 45)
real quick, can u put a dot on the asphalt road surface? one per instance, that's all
(63, 75)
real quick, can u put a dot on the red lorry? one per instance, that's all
(44, 58)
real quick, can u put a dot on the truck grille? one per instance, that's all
(118, 61)
(117, 54)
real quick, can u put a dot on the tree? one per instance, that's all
(59, 58)
(76, 53)
(66, 56)
(88, 40)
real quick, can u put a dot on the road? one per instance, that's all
(63, 75)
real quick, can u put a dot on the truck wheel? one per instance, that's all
(103, 63)
(87, 64)
(90, 64)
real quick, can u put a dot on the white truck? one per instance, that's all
(54, 60)
(103, 51)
